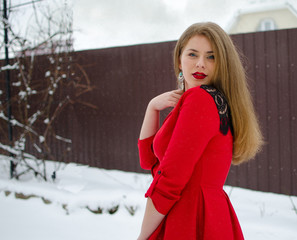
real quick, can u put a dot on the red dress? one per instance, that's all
(190, 157)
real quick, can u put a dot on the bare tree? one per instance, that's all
(46, 80)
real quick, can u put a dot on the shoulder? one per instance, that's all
(197, 95)
(210, 101)
(208, 93)
(197, 102)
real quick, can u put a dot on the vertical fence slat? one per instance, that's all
(283, 67)
(261, 106)
(292, 37)
(272, 111)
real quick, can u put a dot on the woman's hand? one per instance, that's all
(165, 100)
(151, 121)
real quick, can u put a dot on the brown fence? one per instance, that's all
(126, 78)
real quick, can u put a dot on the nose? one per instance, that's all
(200, 63)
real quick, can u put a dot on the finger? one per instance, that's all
(176, 96)
(172, 103)
(178, 91)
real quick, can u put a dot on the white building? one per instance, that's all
(264, 16)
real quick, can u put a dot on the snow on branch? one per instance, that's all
(16, 152)
(10, 67)
(63, 139)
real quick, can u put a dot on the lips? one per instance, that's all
(199, 75)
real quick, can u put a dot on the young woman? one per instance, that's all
(190, 155)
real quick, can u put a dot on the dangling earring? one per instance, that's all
(181, 81)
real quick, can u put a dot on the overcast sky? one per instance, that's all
(102, 23)
(109, 23)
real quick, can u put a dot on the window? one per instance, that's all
(267, 25)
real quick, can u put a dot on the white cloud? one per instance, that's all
(104, 23)
(110, 23)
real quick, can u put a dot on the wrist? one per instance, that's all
(141, 238)
(152, 106)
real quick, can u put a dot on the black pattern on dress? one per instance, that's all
(223, 108)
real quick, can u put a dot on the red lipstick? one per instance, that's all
(199, 75)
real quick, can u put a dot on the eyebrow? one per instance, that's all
(194, 50)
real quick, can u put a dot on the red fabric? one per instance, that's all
(193, 159)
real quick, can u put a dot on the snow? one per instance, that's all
(60, 209)
(9, 67)
(47, 74)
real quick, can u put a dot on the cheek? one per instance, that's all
(212, 68)
(186, 64)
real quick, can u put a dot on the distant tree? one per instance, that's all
(37, 102)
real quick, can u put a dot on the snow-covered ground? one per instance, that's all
(63, 209)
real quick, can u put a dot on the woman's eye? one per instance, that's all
(192, 55)
(212, 57)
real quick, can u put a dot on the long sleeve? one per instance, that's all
(147, 157)
(197, 123)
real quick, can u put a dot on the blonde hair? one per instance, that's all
(230, 79)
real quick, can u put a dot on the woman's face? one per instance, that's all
(197, 62)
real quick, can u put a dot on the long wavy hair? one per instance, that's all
(230, 78)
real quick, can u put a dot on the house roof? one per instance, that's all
(265, 6)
